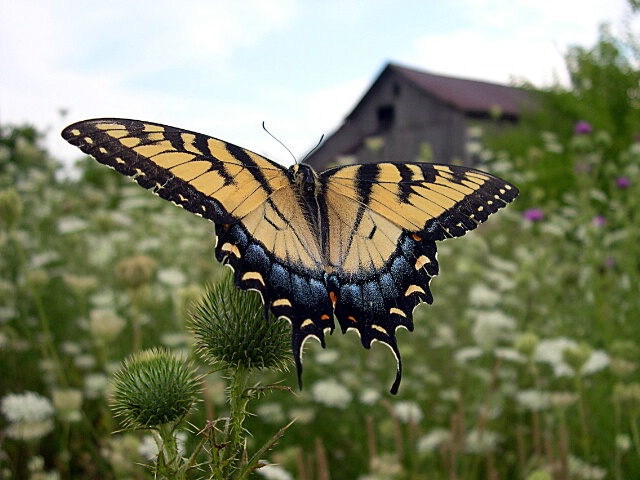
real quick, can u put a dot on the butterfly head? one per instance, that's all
(304, 178)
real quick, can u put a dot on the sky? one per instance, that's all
(223, 67)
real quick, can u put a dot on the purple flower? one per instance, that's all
(533, 214)
(599, 221)
(623, 182)
(582, 128)
(610, 262)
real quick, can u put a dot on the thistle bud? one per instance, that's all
(154, 388)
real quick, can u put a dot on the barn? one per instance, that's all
(408, 114)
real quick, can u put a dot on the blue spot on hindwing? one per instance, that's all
(279, 279)
(388, 286)
(257, 258)
(351, 296)
(301, 290)
(400, 269)
(373, 299)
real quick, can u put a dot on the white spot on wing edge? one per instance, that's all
(304, 340)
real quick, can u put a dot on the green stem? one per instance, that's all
(170, 464)
(234, 433)
(583, 417)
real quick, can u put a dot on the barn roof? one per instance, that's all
(469, 96)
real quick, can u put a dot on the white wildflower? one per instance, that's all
(29, 415)
(302, 416)
(106, 325)
(172, 277)
(533, 400)
(467, 353)
(95, 385)
(551, 351)
(369, 396)
(598, 360)
(491, 327)
(331, 393)
(43, 259)
(584, 470)
(623, 442)
(483, 296)
(274, 472)
(271, 413)
(71, 225)
(408, 412)
(433, 440)
(450, 395)
(85, 361)
(326, 357)
(481, 441)
(148, 448)
(445, 336)
(509, 354)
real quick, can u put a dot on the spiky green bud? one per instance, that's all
(231, 331)
(154, 388)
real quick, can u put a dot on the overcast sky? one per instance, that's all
(222, 67)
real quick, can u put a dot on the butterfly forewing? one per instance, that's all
(430, 200)
(209, 177)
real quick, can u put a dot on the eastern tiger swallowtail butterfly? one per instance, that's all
(355, 242)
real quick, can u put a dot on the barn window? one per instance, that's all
(386, 117)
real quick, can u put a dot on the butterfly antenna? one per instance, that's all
(277, 140)
(314, 148)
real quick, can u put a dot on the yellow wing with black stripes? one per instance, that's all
(356, 243)
(204, 175)
(382, 224)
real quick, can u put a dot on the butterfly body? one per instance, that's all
(355, 243)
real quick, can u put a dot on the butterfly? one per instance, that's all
(356, 243)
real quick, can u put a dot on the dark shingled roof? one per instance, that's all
(471, 96)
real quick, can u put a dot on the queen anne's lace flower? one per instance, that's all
(408, 412)
(331, 393)
(29, 415)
